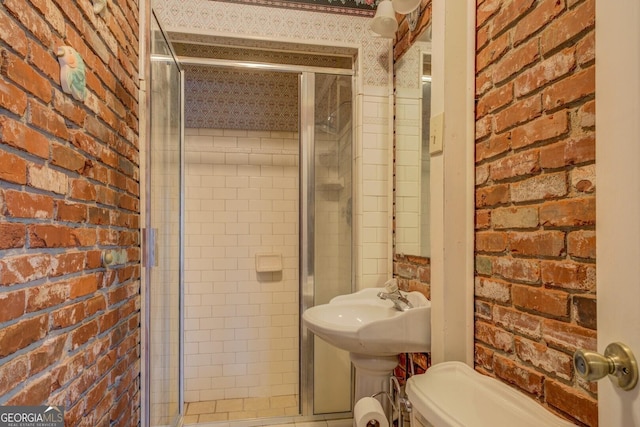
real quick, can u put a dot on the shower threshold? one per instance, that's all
(255, 412)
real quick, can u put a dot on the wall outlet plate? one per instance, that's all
(436, 134)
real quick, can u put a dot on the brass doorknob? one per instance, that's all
(618, 362)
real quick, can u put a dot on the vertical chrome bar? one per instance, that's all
(145, 131)
(307, 211)
(182, 250)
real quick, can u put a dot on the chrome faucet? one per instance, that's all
(400, 302)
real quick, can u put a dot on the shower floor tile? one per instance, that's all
(240, 409)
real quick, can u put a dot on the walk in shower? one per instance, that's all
(268, 197)
(248, 179)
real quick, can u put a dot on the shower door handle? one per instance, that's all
(150, 240)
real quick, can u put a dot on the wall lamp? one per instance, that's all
(384, 22)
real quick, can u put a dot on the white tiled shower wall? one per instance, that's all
(241, 327)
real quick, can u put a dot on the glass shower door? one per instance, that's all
(327, 154)
(163, 234)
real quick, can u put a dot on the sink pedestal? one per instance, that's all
(372, 374)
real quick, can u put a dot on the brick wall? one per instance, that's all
(413, 273)
(69, 327)
(404, 37)
(535, 198)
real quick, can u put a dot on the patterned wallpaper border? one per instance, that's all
(262, 44)
(224, 98)
(353, 7)
(273, 56)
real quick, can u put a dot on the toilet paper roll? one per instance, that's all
(368, 412)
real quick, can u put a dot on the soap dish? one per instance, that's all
(268, 262)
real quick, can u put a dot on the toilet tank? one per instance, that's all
(451, 394)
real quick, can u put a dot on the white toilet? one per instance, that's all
(451, 394)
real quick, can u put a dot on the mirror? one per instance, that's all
(412, 161)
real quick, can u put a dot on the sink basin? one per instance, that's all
(362, 323)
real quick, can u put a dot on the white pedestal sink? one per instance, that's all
(373, 332)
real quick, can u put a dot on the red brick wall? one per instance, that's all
(413, 273)
(404, 37)
(535, 198)
(69, 327)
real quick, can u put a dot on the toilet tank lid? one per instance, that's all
(451, 394)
